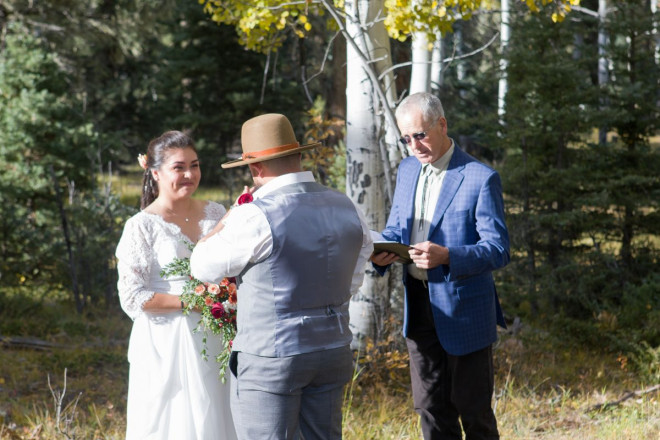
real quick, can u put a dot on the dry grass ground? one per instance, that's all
(544, 389)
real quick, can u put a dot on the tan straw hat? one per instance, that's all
(267, 137)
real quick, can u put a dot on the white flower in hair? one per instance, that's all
(142, 160)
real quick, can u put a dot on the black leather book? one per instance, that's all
(393, 247)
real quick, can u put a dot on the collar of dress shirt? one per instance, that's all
(442, 163)
(286, 179)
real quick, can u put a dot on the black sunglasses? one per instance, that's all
(405, 140)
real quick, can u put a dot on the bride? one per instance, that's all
(172, 392)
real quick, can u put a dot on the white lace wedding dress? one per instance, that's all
(172, 392)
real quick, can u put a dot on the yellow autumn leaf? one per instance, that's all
(303, 19)
(556, 18)
(308, 26)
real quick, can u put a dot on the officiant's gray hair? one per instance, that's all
(157, 152)
(427, 103)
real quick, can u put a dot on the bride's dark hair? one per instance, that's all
(156, 153)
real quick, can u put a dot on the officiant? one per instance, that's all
(449, 207)
(298, 251)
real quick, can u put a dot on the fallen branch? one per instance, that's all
(25, 342)
(625, 397)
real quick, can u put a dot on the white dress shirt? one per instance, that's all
(246, 239)
(426, 199)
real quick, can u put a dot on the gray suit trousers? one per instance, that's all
(292, 397)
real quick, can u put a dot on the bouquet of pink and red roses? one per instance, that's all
(215, 302)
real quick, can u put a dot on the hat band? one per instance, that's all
(270, 151)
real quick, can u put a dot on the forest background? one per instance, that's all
(85, 85)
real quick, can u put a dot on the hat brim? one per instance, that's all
(239, 162)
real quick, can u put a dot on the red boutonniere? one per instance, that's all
(244, 198)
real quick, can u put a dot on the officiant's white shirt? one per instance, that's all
(246, 238)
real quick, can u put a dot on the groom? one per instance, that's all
(299, 251)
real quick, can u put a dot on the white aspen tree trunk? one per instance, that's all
(366, 152)
(603, 63)
(505, 34)
(420, 78)
(656, 34)
(437, 71)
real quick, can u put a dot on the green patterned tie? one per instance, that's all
(427, 173)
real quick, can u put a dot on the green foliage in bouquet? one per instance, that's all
(216, 304)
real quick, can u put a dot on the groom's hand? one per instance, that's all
(245, 196)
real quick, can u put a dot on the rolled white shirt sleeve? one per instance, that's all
(365, 252)
(246, 238)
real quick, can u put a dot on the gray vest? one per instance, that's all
(296, 300)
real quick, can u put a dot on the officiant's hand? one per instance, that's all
(384, 258)
(427, 255)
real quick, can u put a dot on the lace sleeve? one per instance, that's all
(214, 212)
(134, 255)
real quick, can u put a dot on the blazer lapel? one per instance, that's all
(408, 210)
(450, 185)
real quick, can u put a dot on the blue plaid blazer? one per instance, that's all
(469, 221)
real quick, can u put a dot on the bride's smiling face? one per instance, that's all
(179, 175)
